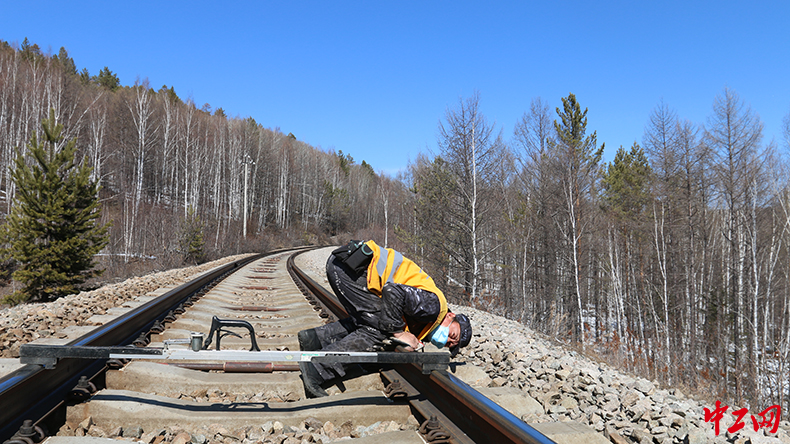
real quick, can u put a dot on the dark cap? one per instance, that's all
(466, 333)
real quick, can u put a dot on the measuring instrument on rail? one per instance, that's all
(196, 348)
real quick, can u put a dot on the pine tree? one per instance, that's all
(191, 239)
(338, 208)
(52, 232)
(69, 67)
(626, 184)
(578, 155)
(108, 79)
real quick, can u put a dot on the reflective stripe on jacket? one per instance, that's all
(388, 265)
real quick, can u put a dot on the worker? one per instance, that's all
(390, 301)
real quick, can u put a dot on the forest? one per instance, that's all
(670, 261)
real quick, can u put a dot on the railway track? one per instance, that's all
(140, 398)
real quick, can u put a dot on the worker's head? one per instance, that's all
(460, 331)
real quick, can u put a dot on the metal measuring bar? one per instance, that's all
(196, 349)
(48, 355)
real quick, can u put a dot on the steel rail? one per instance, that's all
(481, 419)
(32, 392)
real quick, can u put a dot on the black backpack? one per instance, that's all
(355, 254)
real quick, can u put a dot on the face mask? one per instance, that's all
(439, 337)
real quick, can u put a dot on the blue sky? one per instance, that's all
(374, 79)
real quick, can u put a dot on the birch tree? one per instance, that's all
(694, 196)
(141, 111)
(97, 128)
(283, 182)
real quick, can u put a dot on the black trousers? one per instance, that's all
(360, 331)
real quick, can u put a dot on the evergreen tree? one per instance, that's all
(108, 79)
(191, 242)
(30, 52)
(69, 67)
(626, 183)
(368, 168)
(346, 161)
(338, 208)
(580, 150)
(436, 200)
(170, 93)
(85, 76)
(578, 155)
(52, 231)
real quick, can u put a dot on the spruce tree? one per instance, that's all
(52, 232)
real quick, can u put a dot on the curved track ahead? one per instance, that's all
(258, 290)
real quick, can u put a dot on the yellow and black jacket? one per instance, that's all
(420, 311)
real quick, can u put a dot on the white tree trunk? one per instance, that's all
(661, 254)
(141, 112)
(475, 261)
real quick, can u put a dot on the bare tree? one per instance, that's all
(472, 152)
(537, 173)
(9, 68)
(734, 133)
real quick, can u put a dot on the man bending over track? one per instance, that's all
(388, 299)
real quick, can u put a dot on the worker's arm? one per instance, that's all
(401, 302)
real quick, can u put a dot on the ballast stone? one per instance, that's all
(645, 386)
(473, 375)
(569, 432)
(513, 400)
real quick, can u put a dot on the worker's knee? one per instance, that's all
(308, 340)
